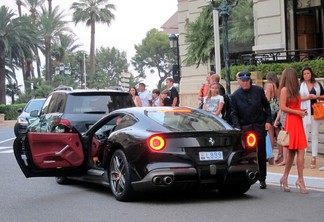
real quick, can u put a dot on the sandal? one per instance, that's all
(313, 163)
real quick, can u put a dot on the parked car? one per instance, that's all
(78, 108)
(24, 115)
(145, 149)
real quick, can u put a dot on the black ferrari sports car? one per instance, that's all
(144, 149)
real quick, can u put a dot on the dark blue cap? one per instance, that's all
(244, 75)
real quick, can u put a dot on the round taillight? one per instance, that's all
(251, 140)
(156, 143)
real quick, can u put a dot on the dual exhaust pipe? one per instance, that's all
(253, 175)
(162, 180)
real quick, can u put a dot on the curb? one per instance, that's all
(313, 183)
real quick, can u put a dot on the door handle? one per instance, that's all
(58, 153)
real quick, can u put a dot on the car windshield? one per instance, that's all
(34, 105)
(97, 103)
(186, 120)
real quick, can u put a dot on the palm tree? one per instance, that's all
(13, 89)
(19, 3)
(50, 26)
(92, 12)
(49, 5)
(17, 40)
(66, 44)
(200, 38)
(200, 35)
(32, 5)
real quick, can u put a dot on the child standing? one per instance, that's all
(214, 102)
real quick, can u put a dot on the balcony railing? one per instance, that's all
(284, 56)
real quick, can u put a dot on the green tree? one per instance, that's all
(200, 35)
(19, 3)
(200, 39)
(50, 26)
(32, 6)
(17, 40)
(13, 89)
(92, 12)
(111, 62)
(154, 52)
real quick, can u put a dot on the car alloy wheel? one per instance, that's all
(119, 177)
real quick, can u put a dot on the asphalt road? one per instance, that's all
(41, 199)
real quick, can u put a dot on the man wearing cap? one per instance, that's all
(251, 111)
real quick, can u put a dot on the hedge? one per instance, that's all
(10, 111)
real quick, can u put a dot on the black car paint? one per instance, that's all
(177, 163)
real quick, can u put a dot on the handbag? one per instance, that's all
(283, 138)
(318, 109)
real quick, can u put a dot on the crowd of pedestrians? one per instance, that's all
(144, 98)
(283, 103)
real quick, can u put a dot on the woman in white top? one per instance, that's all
(214, 102)
(136, 98)
(310, 91)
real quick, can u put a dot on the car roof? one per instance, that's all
(91, 91)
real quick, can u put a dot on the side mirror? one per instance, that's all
(34, 113)
(19, 110)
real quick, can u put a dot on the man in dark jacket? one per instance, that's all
(251, 111)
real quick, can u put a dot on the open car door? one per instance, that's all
(50, 154)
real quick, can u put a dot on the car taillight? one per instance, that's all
(156, 143)
(251, 140)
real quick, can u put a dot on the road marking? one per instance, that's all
(3, 141)
(6, 149)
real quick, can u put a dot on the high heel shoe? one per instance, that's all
(301, 187)
(313, 163)
(284, 185)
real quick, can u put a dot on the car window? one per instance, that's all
(185, 120)
(46, 104)
(96, 103)
(57, 103)
(125, 121)
(34, 105)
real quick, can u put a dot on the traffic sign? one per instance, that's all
(124, 80)
(124, 84)
(125, 74)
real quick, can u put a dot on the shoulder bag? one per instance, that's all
(283, 138)
(318, 109)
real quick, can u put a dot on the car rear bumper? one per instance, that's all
(172, 178)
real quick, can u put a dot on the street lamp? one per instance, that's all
(174, 44)
(224, 10)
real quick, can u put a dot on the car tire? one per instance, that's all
(119, 177)
(234, 189)
(62, 180)
(16, 129)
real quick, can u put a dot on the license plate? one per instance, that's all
(215, 155)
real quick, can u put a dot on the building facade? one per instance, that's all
(285, 30)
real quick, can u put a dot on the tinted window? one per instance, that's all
(97, 103)
(46, 104)
(186, 120)
(57, 103)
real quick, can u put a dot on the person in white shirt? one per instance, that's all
(214, 102)
(146, 96)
